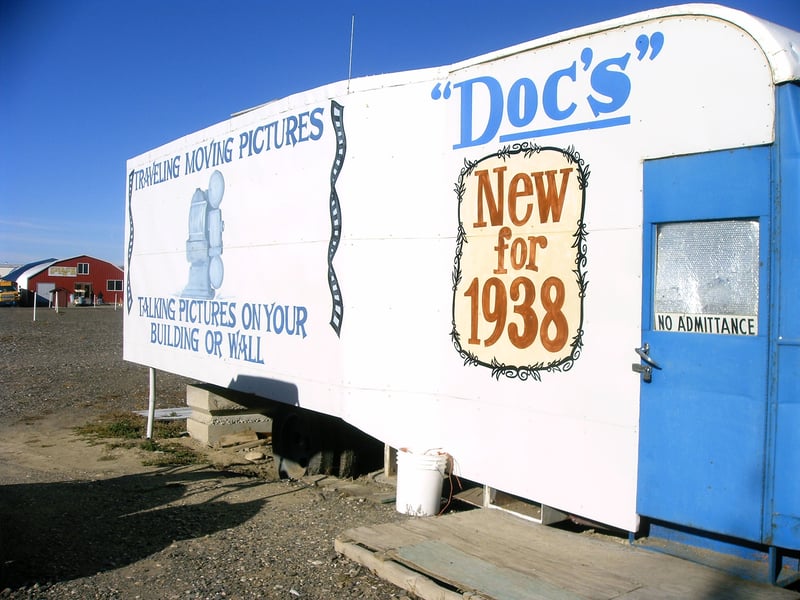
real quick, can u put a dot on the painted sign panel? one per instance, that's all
(518, 298)
(58, 271)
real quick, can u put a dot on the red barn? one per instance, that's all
(78, 280)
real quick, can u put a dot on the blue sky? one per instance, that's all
(87, 84)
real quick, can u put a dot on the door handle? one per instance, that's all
(644, 354)
(647, 369)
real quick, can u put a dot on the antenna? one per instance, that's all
(350, 65)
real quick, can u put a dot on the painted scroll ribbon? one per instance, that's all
(337, 310)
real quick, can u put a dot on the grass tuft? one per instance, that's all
(118, 430)
(129, 426)
(170, 454)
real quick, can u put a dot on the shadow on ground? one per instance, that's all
(52, 532)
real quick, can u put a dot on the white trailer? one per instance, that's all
(568, 264)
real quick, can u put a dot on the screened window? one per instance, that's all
(706, 278)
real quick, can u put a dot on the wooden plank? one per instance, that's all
(398, 575)
(238, 438)
(467, 572)
(472, 496)
(497, 545)
(535, 550)
(506, 542)
(382, 538)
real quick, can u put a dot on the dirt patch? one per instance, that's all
(85, 518)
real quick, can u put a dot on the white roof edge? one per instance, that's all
(22, 279)
(780, 45)
(38, 268)
(89, 256)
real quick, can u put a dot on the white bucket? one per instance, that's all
(419, 482)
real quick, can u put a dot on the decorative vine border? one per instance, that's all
(497, 367)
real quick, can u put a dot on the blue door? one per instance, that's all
(703, 359)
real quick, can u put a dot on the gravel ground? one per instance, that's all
(83, 521)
